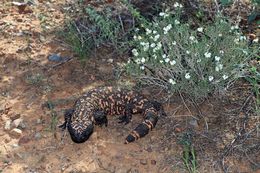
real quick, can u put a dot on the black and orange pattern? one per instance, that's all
(93, 108)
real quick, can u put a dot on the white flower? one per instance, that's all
(142, 60)
(188, 52)
(142, 43)
(154, 32)
(176, 5)
(139, 37)
(187, 75)
(245, 52)
(161, 14)
(153, 45)
(221, 51)
(156, 37)
(217, 58)
(138, 61)
(135, 53)
(242, 38)
(200, 29)
(199, 60)
(236, 40)
(135, 37)
(142, 67)
(174, 43)
(164, 56)
(207, 54)
(218, 67)
(220, 35)
(148, 31)
(211, 78)
(167, 28)
(192, 38)
(256, 40)
(176, 22)
(167, 60)
(159, 45)
(171, 81)
(224, 77)
(173, 62)
(161, 61)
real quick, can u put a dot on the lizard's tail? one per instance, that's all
(151, 116)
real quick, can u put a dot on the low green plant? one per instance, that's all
(188, 154)
(254, 79)
(35, 79)
(179, 58)
(94, 30)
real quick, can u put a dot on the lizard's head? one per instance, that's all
(80, 130)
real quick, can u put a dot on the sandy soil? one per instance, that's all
(29, 80)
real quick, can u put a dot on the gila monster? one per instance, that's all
(93, 107)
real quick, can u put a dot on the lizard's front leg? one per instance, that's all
(67, 116)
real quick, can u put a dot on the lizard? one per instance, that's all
(93, 107)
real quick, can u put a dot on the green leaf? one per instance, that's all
(225, 2)
(253, 16)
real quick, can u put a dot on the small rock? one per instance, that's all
(194, 123)
(23, 140)
(19, 20)
(15, 145)
(8, 125)
(149, 149)
(42, 38)
(39, 121)
(110, 60)
(17, 122)
(15, 116)
(143, 161)
(22, 125)
(153, 162)
(55, 58)
(16, 133)
(6, 138)
(37, 136)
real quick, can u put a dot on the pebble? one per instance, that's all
(16, 132)
(22, 125)
(23, 140)
(39, 121)
(8, 125)
(143, 161)
(149, 149)
(153, 162)
(110, 60)
(194, 123)
(15, 116)
(15, 145)
(55, 58)
(17, 122)
(6, 138)
(37, 135)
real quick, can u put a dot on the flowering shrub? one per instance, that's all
(169, 54)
